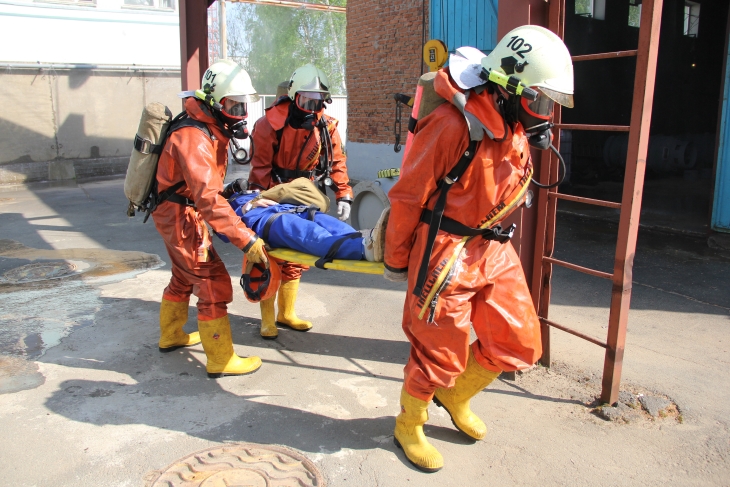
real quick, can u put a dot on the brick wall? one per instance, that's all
(384, 56)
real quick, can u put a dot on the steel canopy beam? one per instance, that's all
(300, 5)
(193, 42)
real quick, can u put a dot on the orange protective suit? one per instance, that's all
(488, 288)
(277, 145)
(200, 161)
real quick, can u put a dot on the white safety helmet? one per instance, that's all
(312, 84)
(227, 79)
(538, 58)
(227, 87)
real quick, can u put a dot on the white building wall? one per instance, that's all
(108, 33)
(81, 102)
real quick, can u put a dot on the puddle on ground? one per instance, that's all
(102, 262)
(18, 374)
(37, 313)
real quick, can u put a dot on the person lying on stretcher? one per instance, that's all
(307, 229)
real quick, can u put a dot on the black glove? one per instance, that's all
(237, 186)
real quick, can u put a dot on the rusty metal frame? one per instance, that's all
(630, 206)
(193, 41)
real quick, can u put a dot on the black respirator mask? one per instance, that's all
(535, 117)
(300, 119)
(233, 113)
(238, 128)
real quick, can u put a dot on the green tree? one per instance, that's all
(271, 42)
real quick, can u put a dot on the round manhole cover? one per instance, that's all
(43, 271)
(239, 465)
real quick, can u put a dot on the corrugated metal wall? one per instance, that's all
(721, 206)
(465, 23)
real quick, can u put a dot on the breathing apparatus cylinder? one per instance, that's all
(414, 119)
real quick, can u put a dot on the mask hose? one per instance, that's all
(562, 165)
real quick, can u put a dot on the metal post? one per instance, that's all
(222, 27)
(651, 14)
(193, 42)
(547, 209)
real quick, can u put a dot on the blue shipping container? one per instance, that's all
(465, 23)
(721, 204)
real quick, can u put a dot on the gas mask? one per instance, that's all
(307, 108)
(300, 119)
(233, 114)
(239, 129)
(535, 116)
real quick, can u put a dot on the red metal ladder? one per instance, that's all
(630, 206)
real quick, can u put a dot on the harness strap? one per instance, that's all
(145, 146)
(154, 199)
(457, 228)
(311, 211)
(180, 200)
(330, 255)
(168, 194)
(264, 278)
(269, 222)
(286, 175)
(438, 212)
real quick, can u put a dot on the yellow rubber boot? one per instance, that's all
(173, 316)
(268, 319)
(409, 434)
(456, 399)
(218, 346)
(287, 298)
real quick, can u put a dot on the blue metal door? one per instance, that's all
(721, 204)
(465, 23)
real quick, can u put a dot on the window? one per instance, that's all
(591, 8)
(691, 18)
(80, 3)
(158, 4)
(634, 13)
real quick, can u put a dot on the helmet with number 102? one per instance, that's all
(539, 59)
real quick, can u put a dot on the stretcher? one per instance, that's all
(360, 266)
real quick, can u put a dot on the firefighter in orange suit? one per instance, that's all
(451, 285)
(190, 176)
(296, 139)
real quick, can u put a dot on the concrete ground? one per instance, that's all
(86, 399)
